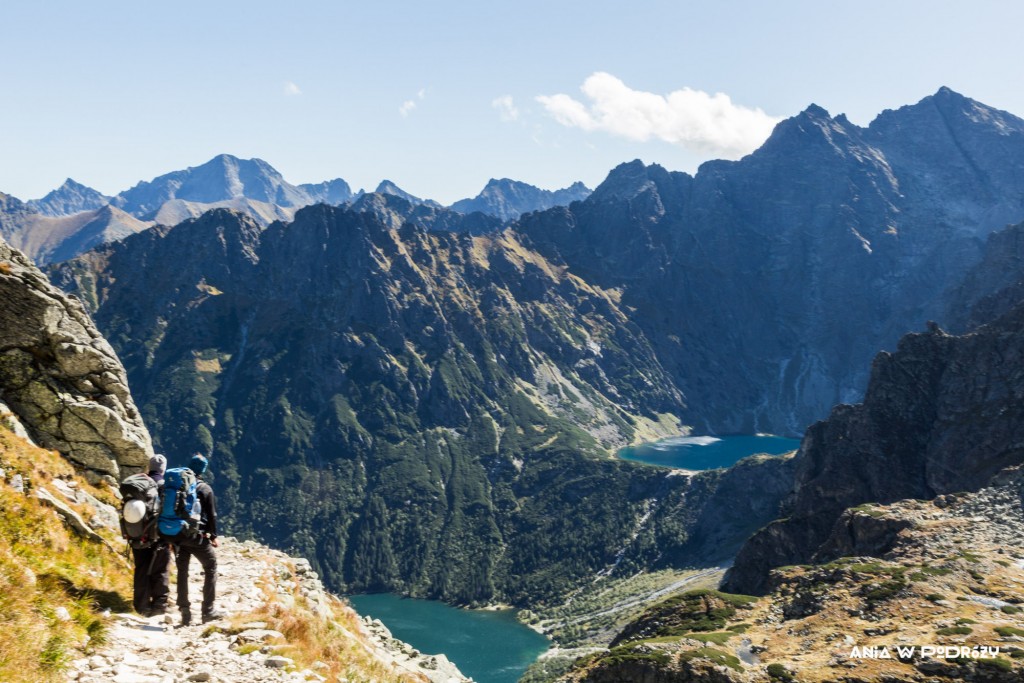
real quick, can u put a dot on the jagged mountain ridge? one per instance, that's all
(249, 185)
(333, 192)
(765, 285)
(389, 188)
(223, 178)
(394, 212)
(508, 199)
(435, 405)
(70, 198)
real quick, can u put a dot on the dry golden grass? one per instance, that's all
(336, 641)
(44, 567)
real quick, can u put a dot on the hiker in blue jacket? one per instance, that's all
(202, 548)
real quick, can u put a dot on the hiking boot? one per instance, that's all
(213, 615)
(186, 617)
(157, 611)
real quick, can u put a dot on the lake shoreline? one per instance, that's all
(489, 643)
(690, 454)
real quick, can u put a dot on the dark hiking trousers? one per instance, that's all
(207, 556)
(152, 577)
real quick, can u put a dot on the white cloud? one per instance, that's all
(506, 108)
(689, 118)
(291, 89)
(409, 105)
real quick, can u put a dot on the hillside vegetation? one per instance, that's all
(57, 588)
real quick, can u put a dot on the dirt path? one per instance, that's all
(157, 650)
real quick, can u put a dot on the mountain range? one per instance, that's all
(454, 393)
(442, 379)
(427, 401)
(251, 186)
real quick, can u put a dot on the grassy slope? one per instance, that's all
(45, 567)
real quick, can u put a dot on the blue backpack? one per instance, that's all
(181, 511)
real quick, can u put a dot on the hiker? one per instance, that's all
(157, 467)
(159, 579)
(202, 546)
(151, 577)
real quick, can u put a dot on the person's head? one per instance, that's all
(198, 464)
(157, 464)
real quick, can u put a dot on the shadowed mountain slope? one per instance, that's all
(942, 414)
(766, 285)
(418, 410)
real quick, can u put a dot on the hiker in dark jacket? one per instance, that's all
(202, 548)
(152, 577)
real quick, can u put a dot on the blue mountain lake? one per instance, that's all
(706, 452)
(489, 646)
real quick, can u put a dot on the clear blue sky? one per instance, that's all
(439, 96)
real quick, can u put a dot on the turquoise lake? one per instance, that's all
(706, 452)
(491, 647)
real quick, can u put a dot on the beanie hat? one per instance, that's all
(157, 464)
(198, 464)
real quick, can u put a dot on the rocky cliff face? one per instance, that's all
(992, 287)
(941, 414)
(61, 378)
(62, 386)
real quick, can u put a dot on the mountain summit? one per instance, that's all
(70, 198)
(223, 178)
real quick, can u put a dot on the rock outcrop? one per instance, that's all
(60, 376)
(941, 414)
(394, 211)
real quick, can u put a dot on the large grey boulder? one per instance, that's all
(61, 377)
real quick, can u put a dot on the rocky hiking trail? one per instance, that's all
(238, 649)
